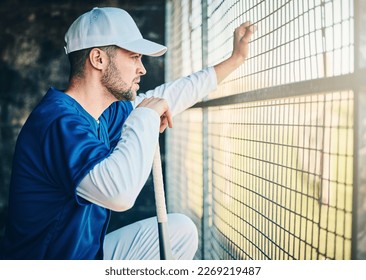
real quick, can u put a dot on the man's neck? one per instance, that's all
(90, 96)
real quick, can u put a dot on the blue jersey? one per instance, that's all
(57, 146)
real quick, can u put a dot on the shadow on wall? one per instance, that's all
(32, 59)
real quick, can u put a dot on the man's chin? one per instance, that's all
(126, 96)
(133, 96)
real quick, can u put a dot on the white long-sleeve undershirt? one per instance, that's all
(115, 182)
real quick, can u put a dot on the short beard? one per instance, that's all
(112, 81)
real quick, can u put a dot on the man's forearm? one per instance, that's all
(226, 67)
(184, 92)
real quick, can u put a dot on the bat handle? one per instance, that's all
(162, 216)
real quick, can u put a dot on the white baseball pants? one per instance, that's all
(140, 241)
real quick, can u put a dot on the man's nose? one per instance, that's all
(141, 69)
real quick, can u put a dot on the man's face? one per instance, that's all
(122, 76)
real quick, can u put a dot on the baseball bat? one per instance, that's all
(162, 216)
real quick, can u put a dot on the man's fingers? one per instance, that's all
(165, 121)
(245, 31)
(161, 106)
(241, 29)
(249, 30)
(169, 118)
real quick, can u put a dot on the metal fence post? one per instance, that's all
(359, 201)
(168, 19)
(205, 150)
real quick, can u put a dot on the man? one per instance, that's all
(89, 149)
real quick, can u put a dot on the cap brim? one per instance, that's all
(144, 47)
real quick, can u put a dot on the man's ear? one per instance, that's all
(98, 58)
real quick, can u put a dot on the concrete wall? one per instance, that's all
(32, 59)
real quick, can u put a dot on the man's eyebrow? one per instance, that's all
(133, 53)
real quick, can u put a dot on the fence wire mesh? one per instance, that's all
(279, 168)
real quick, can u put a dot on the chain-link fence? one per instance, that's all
(269, 166)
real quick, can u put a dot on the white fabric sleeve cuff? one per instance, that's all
(115, 182)
(184, 92)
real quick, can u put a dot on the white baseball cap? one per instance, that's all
(109, 26)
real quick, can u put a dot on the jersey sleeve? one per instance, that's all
(115, 182)
(70, 150)
(115, 116)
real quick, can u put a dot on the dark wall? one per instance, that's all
(32, 59)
